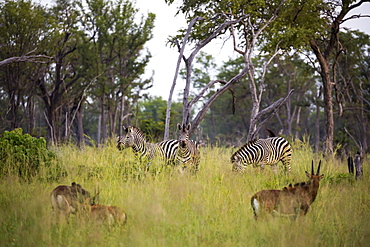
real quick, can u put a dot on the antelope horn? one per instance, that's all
(318, 168)
(95, 196)
(312, 172)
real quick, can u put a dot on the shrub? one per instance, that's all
(22, 154)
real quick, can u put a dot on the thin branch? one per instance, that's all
(201, 93)
(354, 17)
(353, 139)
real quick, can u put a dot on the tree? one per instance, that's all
(287, 25)
(150, 117)
(62, 77)
(116, 39)
(23, 31)
(327, 49)
(248, 26)
(351, 90)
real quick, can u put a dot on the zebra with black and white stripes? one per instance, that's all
(135, 138)
(188, 155)
(263, 152)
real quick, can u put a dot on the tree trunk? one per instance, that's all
(103, 121)
(80, 129)
(121, 114)
(328, 101)
(317, 127)
(98, 135)
(31, 122)
(298, 122)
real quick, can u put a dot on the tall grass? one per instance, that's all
(165, 208)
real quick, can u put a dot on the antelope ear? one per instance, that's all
(307, 174)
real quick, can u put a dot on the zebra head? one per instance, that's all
(183, 134)
(134, 138)
(123, 141)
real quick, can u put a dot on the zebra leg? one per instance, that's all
(287, 168)
(237, 167)
(274, 168)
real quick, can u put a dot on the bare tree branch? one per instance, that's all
(274, 108)
(354, 17)
(25, 58)
(353, 139)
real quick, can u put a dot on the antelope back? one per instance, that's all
(67, 199)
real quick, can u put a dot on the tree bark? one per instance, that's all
(328, 101)
(80, 128)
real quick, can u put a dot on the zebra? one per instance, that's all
(263, 152)
(135, 138)
(188, 154)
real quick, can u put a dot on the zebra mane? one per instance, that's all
(252, 142)
(270, 133)
(138, 131)
(135, 128)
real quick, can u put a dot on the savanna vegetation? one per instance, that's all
(72, 73)
(75, 73)
(165, 208)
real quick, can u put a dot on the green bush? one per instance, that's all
(22, 154)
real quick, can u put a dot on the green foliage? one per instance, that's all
(341, 177)
(23, 155)
(151, 117)
(297, 21)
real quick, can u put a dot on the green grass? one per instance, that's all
(168, 209)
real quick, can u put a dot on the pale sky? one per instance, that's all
(164, 59)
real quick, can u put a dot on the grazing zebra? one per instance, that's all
(135, 138)
(263, 152)
(187, 154)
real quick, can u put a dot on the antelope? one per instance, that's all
(106, 214)
(290, 201)
(68, 199)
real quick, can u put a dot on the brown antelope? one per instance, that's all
(106, 214)
(68, 199)
(290, 201)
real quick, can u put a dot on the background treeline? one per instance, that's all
(77, 75)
